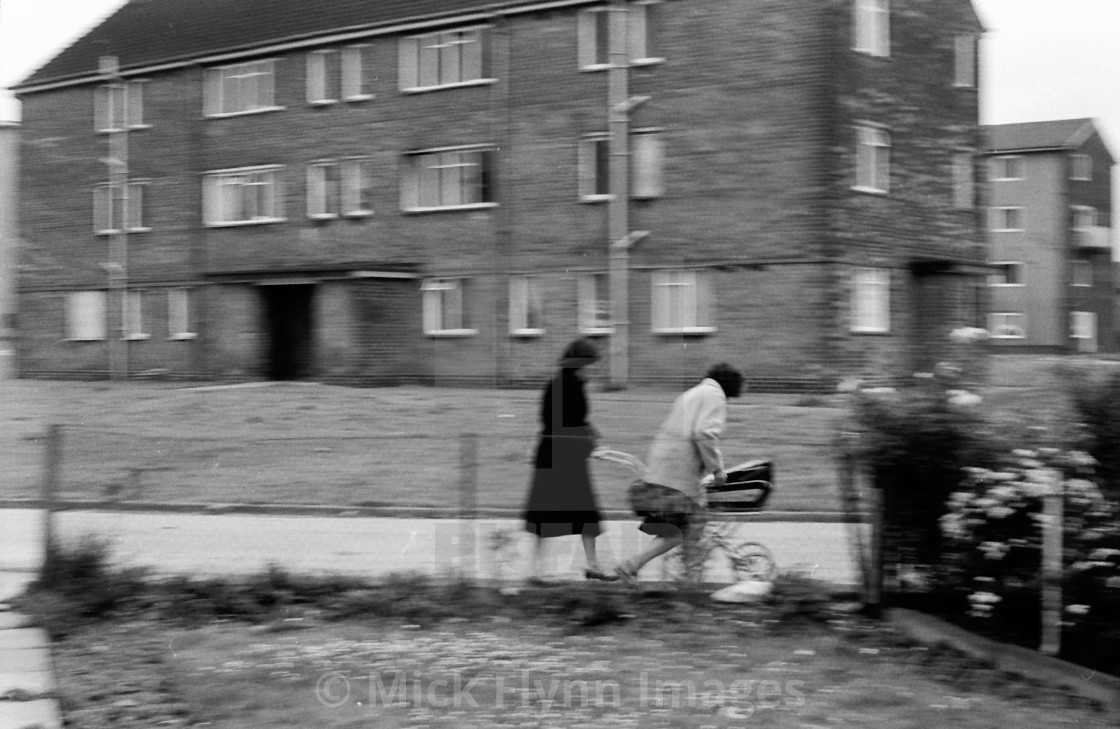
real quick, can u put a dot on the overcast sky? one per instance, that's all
(1041, 59)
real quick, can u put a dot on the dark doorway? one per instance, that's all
(287, 311)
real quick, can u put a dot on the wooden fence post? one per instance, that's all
(52, 457)
(468, 495)
(1052, 525)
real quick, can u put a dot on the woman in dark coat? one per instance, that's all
(561, 499)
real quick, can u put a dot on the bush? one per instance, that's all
(1097, 404)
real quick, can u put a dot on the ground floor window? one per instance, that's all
(595, 304)
(1083, 325)
(526, 306)
(444, 307)
(871, 301)
(1007, 325)
(178, 314)
(682, 302)
(132, 315)
(85, 316)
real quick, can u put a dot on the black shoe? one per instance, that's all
(600, 575)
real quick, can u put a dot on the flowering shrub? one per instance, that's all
(1098, 408)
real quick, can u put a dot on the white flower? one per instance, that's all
(1000, 512)
(874, 391)
(850, 384)
(993, 550)
(964, 335)
(1023, 453)
(1078, 609)
(985, 598)
(1103, 554)
(964, 398)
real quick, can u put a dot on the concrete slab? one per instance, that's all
(10, 620)
(42, 713)
(19, 638)
(27, 683)
(14, 584)
(25, 659)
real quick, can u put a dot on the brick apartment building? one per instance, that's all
(1054, 288)
(437, 190)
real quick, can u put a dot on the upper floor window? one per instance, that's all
(964, 181)
(526, 306)
(647, 160)
(1081, 167)
(119, 207)
(452, 178)
(964, 60)
(682, 302)
(179, 314)
(324, 185)
(594, 304)
(119, 106)
(444, 307)
(444, 59)
(85, 316)
(355, 80)
(1082, 273)
(322, 69)
(357, 187)
(1007, 167)
(1084, 217)
(1007, 219)
(871, 301)
(242, 196)
(873, 159)
(240, 88)
(1007, 273)
(872, 27)
(595, 34)
(1007, 325)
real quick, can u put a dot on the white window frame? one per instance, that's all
(1083, 325)
(324, 189)
(86, 316)
(106, 215)
(593, 35)
(444, 303)
(1081, 273)
(682, 302)
(446, 51)
(444, 169)
(1081, 167)
(179, 314)
(1008, 167)
(355, 81)
(1015, 270)
(964, 60)
(647, 164)
(594, 301)
(357, 186)
(320, 63)
(119, 106)
(871, 301)
(1001, 219)
(1007, 325)
(594, 168)
(218, 184)
(871, 27)
(526, 306)
(240, 88)
(873, 159)
(1082, 217)
(964, 181)
(132, 316)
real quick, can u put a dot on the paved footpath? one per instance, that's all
(238, 544)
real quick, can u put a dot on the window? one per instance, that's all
(1007, 219)
(1083, 325)
(872, 23)
(1008, 273)
(119, 207)
(132, 320)
(594, 35)
(119, 106)
(323, 190)
(444, 311)
(871, 301)
(647, 160)
(1007, 167)
(320, 70)
(1081, 273)
(85, 316)
(873, 159)
(1084, 217)
(964, 61)
(682, 302)
(239, 89)
(447, 179)
(1081, 167)
(595, 304)
(357, 187)
(444, 59)
(1007, 325)
(964, 182)
(355, 84)
(526, 306)
(179, 314)
(236, 197)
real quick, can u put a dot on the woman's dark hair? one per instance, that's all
(579, 353)
(729, 378)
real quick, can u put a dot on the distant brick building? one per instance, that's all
(1054, 288)
(423, 190)
(9, 164)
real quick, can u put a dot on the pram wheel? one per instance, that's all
(752, 561)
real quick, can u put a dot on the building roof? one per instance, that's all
(1038, 136)
(147, 33)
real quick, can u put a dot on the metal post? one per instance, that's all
(618, 210)
(1052, 525)
(52, 456)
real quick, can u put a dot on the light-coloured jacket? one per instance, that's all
(686, 446)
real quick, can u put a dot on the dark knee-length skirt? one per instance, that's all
(561, 498)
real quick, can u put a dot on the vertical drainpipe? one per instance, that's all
(503, 239)
(618, 207)
(117, 266)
